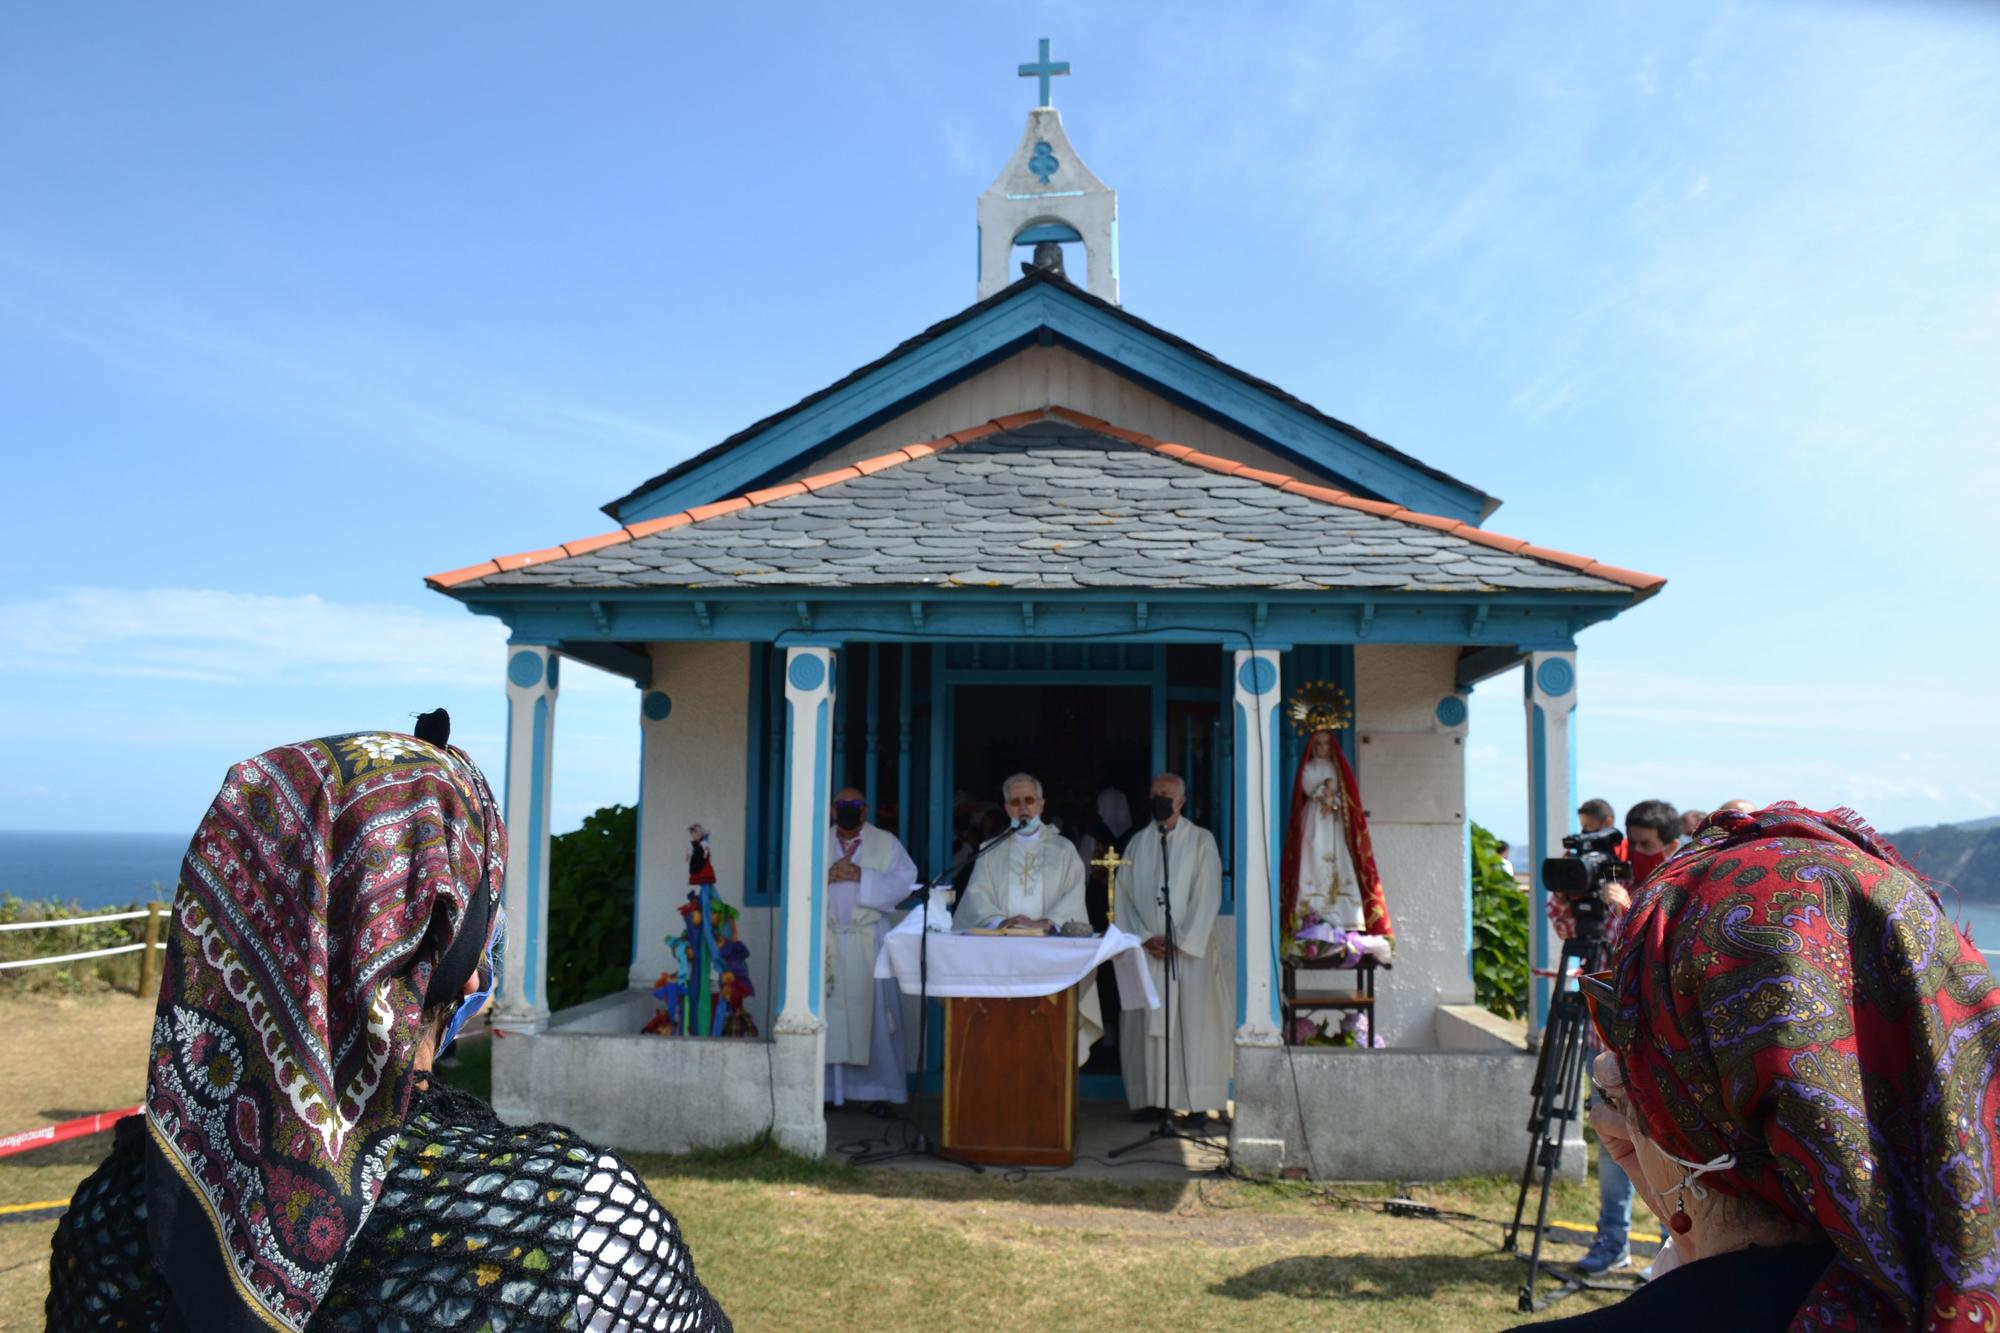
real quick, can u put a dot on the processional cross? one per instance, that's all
(1045, 69)
(1111, 863)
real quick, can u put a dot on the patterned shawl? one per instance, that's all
(1790, 991)
(318, 898)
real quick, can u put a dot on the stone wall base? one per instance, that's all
(1385, 1115)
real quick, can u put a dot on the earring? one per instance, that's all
(1680, 1223)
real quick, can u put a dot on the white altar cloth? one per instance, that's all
(1015, 966)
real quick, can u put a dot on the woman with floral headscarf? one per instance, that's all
(1803, 1075)
(338, 917)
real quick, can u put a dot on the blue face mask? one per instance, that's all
(489, 972)
(1029, 825)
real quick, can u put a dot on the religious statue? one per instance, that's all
(1328, 885)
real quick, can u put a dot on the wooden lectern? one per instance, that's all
(1010, 1079)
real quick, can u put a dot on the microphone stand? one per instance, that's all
(1167, 1129)
(921, 1145)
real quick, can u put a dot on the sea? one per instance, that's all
(91, 869)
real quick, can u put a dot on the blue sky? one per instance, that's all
(295, 308)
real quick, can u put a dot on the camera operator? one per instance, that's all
(1652, 828)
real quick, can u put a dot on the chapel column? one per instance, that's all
(1256, 840)
(532, 672)
(799, 1032)
(1266, 1123)
(1549, 689)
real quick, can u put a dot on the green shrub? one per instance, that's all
(591, 876)
(1499, 931)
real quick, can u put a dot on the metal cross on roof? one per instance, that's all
(1045, 69)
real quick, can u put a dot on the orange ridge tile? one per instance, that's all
(1577, 562)
(718, 509)
(647, 527)
(1451, 525)
(1630, 577)
(1497, 541)
(971, 433)
(915, 451)
(585, 545)
(1075, 417)
(451, 578)
(770, 493)
(1015, 420)
(522, 559)
(826, 479)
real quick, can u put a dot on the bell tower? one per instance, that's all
(1045, 197)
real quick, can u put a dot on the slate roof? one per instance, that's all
(1030, 279)
(1062, 501)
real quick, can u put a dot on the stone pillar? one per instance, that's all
(1259, 1054)
(799, 1032)
(1549, 688)
(522, 1003)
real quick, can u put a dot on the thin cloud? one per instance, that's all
(218, 637)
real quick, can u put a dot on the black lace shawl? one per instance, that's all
(480, 1224)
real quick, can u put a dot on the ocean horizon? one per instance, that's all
(90, 869)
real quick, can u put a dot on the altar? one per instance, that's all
(1011, 1047)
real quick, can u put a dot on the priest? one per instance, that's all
(1171, 856)
(867, 874)
(1034, 880)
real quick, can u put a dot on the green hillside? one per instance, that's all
(1965, 856)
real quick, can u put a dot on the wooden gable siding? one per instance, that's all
(1038, 377)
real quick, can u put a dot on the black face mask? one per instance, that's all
(847, 818)
(1163, 808)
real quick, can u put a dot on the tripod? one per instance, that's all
(1167, 1129)
(921, 1145)
(1558, 1097)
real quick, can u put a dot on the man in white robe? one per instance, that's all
(1204, 990)
(1033, 880)
(867, 874)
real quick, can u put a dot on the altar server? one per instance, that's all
(1033, 880)
(867, 874)
(1203, 984)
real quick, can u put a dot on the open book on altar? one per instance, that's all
(994, 927)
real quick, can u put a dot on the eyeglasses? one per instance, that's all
(1609, 1099)
(1599, 998)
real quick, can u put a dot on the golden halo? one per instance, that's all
(1320, 705)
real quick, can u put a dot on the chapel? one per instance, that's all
(1041, 535)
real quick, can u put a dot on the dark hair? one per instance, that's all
(1659, 816)
(1598, 808)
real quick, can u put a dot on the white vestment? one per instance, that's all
(864, 1032)
(1204, 989)
(1035, 875)
(1327, 883)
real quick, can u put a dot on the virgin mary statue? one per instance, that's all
(1328, 869)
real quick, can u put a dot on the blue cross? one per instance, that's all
(1045, 69)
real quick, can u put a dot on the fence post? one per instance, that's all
(152, 943)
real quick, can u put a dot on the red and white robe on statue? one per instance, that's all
(864, 1030)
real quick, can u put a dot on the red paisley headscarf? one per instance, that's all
(1788, 990)
(324, 894)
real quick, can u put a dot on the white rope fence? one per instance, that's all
(150, 914)
(73, 921)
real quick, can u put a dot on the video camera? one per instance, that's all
(1579, 875)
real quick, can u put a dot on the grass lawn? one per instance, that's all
(787, 1243)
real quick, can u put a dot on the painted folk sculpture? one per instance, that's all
(703, 993)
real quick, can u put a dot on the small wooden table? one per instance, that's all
(1010, 1079)
(1291, 1000)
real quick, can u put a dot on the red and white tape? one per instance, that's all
(81, 1127)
